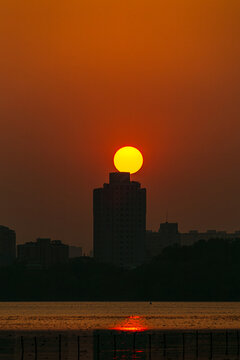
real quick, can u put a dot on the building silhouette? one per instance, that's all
(119, 221)
(43, 252)
(193, 236)
(168, 235)
(7, 246)
(75, 251)
(156, 241)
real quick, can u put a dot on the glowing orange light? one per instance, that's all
(128, 159)
(131, 324)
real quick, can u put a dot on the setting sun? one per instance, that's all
(128, 159)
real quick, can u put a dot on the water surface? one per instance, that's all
(62, 316)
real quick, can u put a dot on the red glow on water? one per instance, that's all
(131, 324)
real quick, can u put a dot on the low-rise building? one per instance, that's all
(43, 252)
(194, 235)
(168, 235)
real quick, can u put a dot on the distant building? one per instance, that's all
(75, 251)
(90, 253)
(156, 241)
(193, 236)
(7, 246)
(43, 252)
(119, 217)
(168, 235)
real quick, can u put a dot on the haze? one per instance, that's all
(80, 79)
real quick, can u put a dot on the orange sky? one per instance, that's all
(81, 78)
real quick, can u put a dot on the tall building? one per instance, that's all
(43, 252)
(7, 246)
(119, 221)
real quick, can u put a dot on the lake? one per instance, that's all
(119, 330)
(26, 316)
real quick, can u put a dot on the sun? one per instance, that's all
(128, 159)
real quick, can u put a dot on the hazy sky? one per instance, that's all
(81, 78)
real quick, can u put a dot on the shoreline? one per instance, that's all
(112, 331)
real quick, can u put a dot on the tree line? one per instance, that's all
(205, 271)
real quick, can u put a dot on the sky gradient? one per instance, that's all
(79, 79)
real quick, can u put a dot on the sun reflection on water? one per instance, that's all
(131, 324)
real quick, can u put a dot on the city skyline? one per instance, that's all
(221, 231)
(154, 241)
(199, 230)
(152, 224)
(79, 81)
